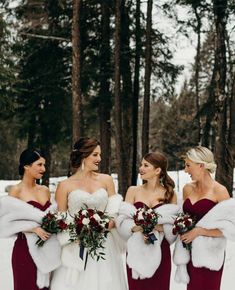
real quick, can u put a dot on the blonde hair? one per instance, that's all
(202, 155)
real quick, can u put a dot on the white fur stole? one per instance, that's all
(142, 258)
(207, 252)
(18, 216)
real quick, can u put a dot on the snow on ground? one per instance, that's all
(180, 178)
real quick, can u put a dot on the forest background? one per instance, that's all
(106, 69)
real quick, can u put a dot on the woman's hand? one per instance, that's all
(159, 228)
(41, 233)
(111, 224)
(191, 235)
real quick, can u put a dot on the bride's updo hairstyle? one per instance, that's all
(202, 155)
(27, 157)
(82, 149)
(158, 160)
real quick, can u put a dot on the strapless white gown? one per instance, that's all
(105, 274)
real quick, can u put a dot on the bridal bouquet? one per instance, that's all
(53, 223)
(146, 219)
(182, 224)
(90, 229)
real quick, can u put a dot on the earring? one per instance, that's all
(82, 167)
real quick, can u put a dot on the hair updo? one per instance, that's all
(82, 149)
(158, 160)
(202, 155)
(27, 157)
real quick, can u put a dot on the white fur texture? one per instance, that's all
(142, 258)
(18, 216)
(207, 252)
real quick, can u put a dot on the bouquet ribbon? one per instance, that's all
(81, 255)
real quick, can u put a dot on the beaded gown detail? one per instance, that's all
(23, 266)
(161, 278)
(201, 278)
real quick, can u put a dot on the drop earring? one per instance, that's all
(82, 167)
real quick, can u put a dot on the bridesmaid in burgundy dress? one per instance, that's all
(31, 168)
(156, 191)
(199, 197)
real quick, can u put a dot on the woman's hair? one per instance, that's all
(158, 160)
(202, 155)
(82, 149)
(27, 157)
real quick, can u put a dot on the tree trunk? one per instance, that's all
(222, 151)
(231, 95)
(105, 103)
(147, 81)
(197, 70)
(126, 92)
(135, 105)
(76, 72)
(117, 99)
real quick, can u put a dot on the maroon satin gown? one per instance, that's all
(201, 278)
(24, 269)
(161, 278)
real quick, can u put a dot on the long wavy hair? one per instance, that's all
(159, 160)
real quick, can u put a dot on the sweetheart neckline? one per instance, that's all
(200, 200)
(160, 203)
(42, 205)
(90, 193)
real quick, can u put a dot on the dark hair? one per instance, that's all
(27, 157)
(157, 159)
(82, 149)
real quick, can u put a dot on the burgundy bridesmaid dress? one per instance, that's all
(201, 278)
(24, 269)
(161, 278)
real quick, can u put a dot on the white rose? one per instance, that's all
(96, 217)
(85, 221)
(84, 212)
(140, 216)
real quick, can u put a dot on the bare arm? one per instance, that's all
(61, 196)
(130, 195)
(109, 185)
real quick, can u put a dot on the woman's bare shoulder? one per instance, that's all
(188, 189)
(15, 190)
(131, 193)
(104, 177)
(221, 192)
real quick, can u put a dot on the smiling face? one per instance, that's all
(93, 160)
(36, 169)
(193, 169)
(148, 171)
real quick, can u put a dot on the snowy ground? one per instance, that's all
(180, 179)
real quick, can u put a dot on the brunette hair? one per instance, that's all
(27, 157)
(82, 149)
(157, 159)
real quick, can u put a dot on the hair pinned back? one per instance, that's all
(27, 157)
(202, 155)
(82, 149)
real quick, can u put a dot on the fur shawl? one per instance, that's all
(207, 252)
(18, 216)
(142, 258)
(70, 251)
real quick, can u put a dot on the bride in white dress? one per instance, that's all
(87, 187)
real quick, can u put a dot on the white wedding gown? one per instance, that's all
(105, 274)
